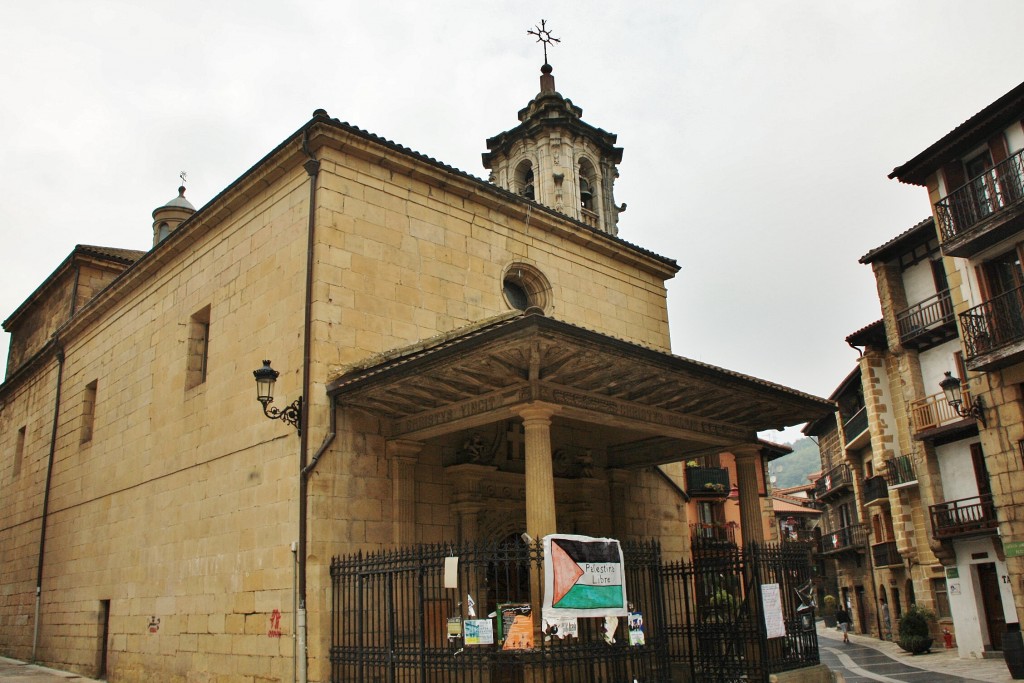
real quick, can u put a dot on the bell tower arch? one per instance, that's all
(556, 159)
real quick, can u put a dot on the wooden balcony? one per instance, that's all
(899, 472)
(935, 411)
(848, 540)
(886, 555)
(836, 481)
(927, 323)
(987, 209)
(964, 517)
(876, 491)
(994, 332)
(707, 482)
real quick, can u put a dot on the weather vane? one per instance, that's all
(182, 176)
(543, 36)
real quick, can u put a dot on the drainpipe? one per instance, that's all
(312, 167)
(46, 497)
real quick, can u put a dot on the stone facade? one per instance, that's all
(171, 510)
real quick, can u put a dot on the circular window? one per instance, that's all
(524, 286)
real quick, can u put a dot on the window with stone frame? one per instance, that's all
(88, 411)
(19, 451)
(198, 348)
(941, 593)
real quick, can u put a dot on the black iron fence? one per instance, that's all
(394, 621)
(715, 612)
(391, 615)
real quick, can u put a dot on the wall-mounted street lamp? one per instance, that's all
(265, 379)
(954, 397)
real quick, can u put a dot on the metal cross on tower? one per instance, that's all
(543, 36)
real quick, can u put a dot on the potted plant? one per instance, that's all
(828, 611)
(914, 631)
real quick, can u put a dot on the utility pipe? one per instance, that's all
(46, 497)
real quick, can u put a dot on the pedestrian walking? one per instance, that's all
(843, 619)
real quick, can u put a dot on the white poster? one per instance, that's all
(771, 600)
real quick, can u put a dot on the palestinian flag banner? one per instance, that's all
(583, 577)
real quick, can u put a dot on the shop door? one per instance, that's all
(988, 578)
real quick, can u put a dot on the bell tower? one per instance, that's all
(556, 159)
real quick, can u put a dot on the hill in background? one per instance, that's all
(793, 469)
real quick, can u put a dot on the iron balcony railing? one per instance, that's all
(798, 535)
(886, 554)
(995, 190)
(835, 481)
(855, 424)
(900, 471)
(848, 539)
(933, 312)
(875, 490)
(935, 411)
(713, 533)
(964, 517)
(994, 324)
(707, 481)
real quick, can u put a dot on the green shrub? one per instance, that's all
(915, 622)
(914, 636)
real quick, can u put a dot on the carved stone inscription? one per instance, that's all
(633, 411)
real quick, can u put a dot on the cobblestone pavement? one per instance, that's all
(866, 659)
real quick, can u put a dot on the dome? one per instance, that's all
(179, 202)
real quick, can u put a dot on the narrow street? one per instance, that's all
(866, 658)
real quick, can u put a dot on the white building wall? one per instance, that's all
(957, 470)
(964, 592)
(1015, 138)
(935, 362)
(918, 282)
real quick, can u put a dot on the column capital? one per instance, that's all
(745, 451)
(536, 411)
(403, 449)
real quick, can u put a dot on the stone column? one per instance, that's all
(403, 456)
(618, 482)
(748, 481)
(540, 477)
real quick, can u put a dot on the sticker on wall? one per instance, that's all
(154, 624)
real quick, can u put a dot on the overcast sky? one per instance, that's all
(757, 135)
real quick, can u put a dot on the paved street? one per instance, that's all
(867, 659)
(12, 671)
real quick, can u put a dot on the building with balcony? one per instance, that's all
(841, 537)
(711, 487)
(967, 455)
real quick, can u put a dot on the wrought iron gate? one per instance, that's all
(715, 616)
(702, 620)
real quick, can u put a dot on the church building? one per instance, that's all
(447, 360)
